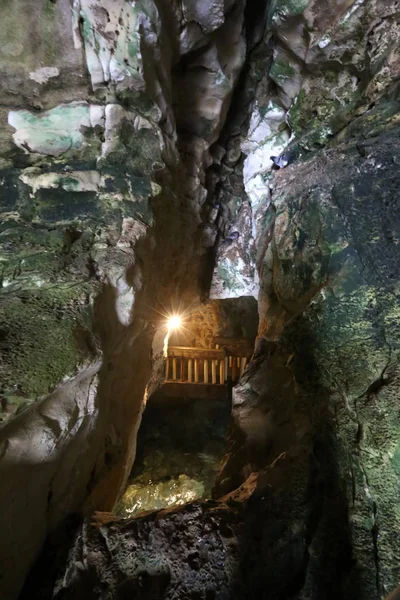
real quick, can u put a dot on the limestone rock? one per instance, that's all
(90, 161)
(324, 232)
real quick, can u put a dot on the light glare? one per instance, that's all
(174, 322)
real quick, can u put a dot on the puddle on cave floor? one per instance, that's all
(181, 443)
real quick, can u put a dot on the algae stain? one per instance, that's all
(281, 71)
(48, 31)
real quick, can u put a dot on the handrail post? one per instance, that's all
(213, 372)
(196, 370)
(205, 370)
(190, 370)
(174, 369)
(182, 368)
(222, 372)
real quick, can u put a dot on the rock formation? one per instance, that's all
(103, 163)
(137, 172)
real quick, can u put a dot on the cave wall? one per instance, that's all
(311, 72)
(325, 236)
(102, 167)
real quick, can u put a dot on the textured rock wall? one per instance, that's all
(102, 184)
(326, 234)
(43, 474)
(309, 75)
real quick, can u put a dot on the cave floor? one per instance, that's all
(181, 443)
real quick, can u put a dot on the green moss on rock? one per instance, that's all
(281, 71)
(286, 8)
(41, 337)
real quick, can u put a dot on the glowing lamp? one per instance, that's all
(174, 322)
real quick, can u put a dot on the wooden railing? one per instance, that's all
(213, 366)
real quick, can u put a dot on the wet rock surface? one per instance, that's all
(166, 555)
(328, 267)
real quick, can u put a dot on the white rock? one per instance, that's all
(77, 181)
(43, 74)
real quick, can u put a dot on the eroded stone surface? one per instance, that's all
(329, 297)
(96, 180)
(326, 68)
(325, 232)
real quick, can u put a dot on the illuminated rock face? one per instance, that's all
(323, 385)
(126, 169)
(105, 133)
(323, 72)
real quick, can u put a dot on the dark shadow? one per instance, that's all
(39, 584)
(296, 540)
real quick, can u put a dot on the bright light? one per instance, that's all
(174, 322)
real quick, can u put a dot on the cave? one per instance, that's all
(199, 299)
